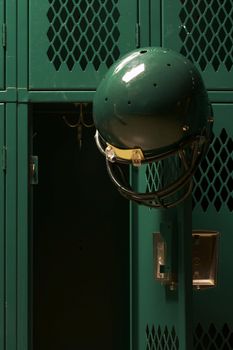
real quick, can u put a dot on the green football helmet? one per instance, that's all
(152, 107)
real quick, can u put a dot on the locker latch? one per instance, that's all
(164, 265)
(34, 170)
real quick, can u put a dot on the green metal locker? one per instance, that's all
(72, 265)
(212, 210)
(2, 45)
(161, 316)
(7, 51)
(10, 244)
(2, 225)
(202, 31)
(68, 46)
(77, 41)
(23, 314)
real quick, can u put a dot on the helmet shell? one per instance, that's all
(152, 98)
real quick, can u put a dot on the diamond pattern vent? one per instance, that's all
(153, 176)
(213, 181)
(156, 175)
(207, 32)
(213, 338)
(161, 338)
(83, 31)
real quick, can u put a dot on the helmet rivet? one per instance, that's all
(185, 128)
(210, 120)
(110, 154)
(136, 158)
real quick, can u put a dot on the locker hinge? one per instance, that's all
(4, 158)
(4, 35)
(137, 35)
(34, 170)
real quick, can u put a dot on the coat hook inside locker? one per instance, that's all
(80, 122)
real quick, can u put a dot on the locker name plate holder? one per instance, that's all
(205, 251)
(204, 259)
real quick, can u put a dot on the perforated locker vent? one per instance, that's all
(212, 338)
(213, 180)
(161, 175)
(156, 175)
(161, 338)
(83, 31)
(207, 32)
(153, 177)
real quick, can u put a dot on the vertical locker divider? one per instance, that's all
(11, 44)
(155, 23)
(2, 45)
(143, 19)
(184, 212)
(11, 227)
(23, 298)
(22, 48)
(2, 226)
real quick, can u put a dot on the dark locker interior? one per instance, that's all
(80, 239)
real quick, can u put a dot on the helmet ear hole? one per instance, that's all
(143, 51)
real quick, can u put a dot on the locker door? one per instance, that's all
(2, 225)
(73, 43)
(2, 63)
(161, 315)
(202, 31)
(213, 207)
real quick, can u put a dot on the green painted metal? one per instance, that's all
(11, 228)
(155, 23)
(143, 20)
(25, 96)
(213, 200)
(160, 316)
(2, 44)
(23, 227)
(11, 44)
(171, 25)
(221, 96)
(76, 42)
(22, 47)
(149, 19)
(8, 95)
(202, 32)
(2, 226)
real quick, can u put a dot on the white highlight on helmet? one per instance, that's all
(133, 73)
(126, 60)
